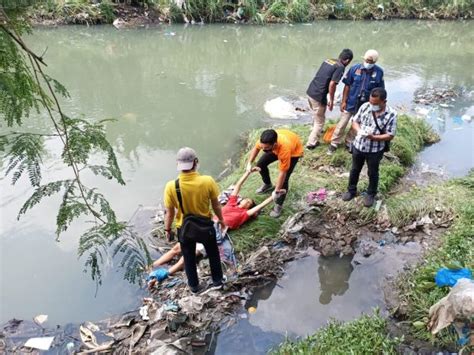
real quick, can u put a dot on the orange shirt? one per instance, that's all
(288, 146)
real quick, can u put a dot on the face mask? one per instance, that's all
(375, 108)
(368, 65)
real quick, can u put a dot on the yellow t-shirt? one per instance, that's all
(196, 191)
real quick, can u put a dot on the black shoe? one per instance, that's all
(197, 289)
(369, 200)
(264, 188)
(347, 196)
(312, 146)
(331, 149)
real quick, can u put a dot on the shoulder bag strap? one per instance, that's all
(178, 193)
(382, 131)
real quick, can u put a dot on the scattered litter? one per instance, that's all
(252, 310)
(171, 306)
(40, 319)
(457, 305)
(378, 204)
(170, 34)
(279, 108)
(225, 41)
(39, 343)
(449, 277)
(144, 313)
(466, 118)
(437, 96)
(314, 197)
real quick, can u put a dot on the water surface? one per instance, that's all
(200, 86)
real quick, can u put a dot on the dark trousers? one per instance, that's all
(373, 163)
(265, 160)
(188, 248)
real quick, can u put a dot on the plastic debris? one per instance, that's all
(279, 108)
(40, 319)
(144, 313)
(457, 305)
(39, 343)
(317, 196)
(252, 310)
(160, 274)
(449, 277)
(466, 118)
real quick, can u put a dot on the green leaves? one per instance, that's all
(24, 151)
(85, 138)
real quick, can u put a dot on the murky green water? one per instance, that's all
(200, 86)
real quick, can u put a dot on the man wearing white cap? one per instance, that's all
(192, 194)
(359, 82)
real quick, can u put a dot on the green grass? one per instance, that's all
(412, 134)
(417, 288)
(364, 335)
(258, 11)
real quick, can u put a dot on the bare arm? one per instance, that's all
(253, 211)
(216, 206)
(380, 137)
(280, 180)
(332, 91)
(169, 217)
(253, 154)
(355, 126)
(238, 186)
(345, 95)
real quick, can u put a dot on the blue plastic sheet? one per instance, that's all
(449, 277)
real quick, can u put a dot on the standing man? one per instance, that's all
(197, 193)
(324, 82)
(359, 82)
(375, 124)
(286, 147)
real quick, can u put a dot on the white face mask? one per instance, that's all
(368, 65)
(375, 108)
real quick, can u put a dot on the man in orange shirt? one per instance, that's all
(286, 147)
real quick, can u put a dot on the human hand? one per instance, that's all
(343, 106)
(330, 105)
(222, 226)
(371, 137)
(169, 235)
(276, 194)
(255, 169)
(248, 167)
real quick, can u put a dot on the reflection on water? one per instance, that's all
(202, 87)
(334, 277)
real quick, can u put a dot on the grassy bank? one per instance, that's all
(318, 170)
(251, 11)
(367, 334)
(417, 289)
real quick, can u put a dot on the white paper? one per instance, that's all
(39, 343)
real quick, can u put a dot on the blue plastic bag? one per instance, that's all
(448, 277)
(160, 274)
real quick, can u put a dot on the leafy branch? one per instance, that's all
(26, 87)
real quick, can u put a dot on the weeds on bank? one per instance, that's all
(259, 11)
(412, 135)
(361, 336)
(417, 288)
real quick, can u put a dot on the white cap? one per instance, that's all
(371, 54)
(185, 158)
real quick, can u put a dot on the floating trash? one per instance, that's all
(279, 108)
(441, 96)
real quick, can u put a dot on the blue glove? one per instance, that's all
(160, 274)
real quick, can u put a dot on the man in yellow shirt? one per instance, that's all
(197, 192)
(286, 147)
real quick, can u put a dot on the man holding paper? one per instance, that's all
(375, 124)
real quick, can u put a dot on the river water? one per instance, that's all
(202, 86)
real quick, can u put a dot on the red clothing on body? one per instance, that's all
(234, 216)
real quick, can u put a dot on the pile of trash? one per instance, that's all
(442, 96)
